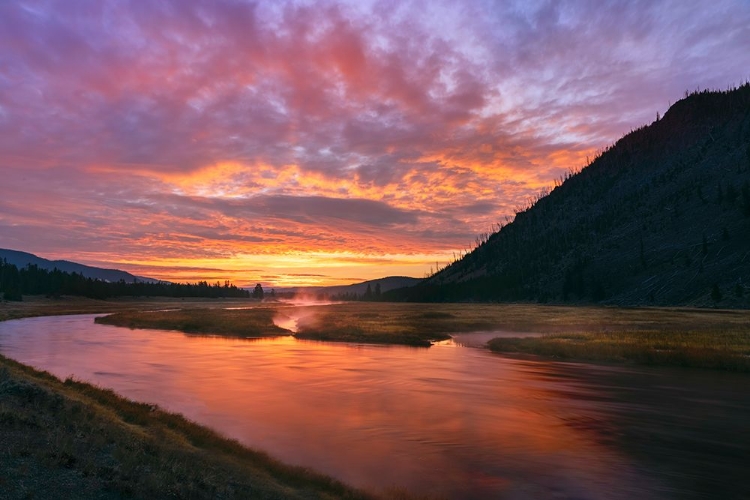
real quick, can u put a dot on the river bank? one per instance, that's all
(69, 439)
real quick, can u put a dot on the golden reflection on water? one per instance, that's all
(446, 421)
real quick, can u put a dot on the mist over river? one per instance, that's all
(450, 421)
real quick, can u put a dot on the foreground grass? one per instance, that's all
(723, 349)
(72, 440)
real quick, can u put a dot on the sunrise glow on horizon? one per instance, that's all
(300, 143)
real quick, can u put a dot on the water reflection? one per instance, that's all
(447, 421)
(690, 426)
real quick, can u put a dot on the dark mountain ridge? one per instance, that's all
(383, 284)
(661, 217)
(356, 289)
(22, 259)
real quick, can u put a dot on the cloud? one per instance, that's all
(137, 131)
(320, 209)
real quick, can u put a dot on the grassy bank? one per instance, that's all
(46, 306)
(72, 440)
(69, 439)
(721, 349)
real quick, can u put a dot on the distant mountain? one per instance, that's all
(386, 284)
(662, 217)
(22, 259)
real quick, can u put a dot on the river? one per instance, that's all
(451, 421)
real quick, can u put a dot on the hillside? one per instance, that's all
(22, 259)
(356, 289)
(661, 217)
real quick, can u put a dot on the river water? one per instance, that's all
(451, 421)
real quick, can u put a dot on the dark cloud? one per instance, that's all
(318, 210)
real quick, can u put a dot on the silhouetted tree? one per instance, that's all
(746, 198)
(368, 293)
(716, 293)
(731, 194)
(598, 293)
(258, 292)
(11, 294)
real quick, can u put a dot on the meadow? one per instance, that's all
(701, 338)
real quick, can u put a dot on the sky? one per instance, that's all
(328, 142)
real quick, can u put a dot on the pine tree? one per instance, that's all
(716, 293)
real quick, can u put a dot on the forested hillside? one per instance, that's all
(22, 259)
(662, 217)
(33, 280)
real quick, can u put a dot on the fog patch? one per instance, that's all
(292, 311)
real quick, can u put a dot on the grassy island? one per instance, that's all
(255, 322)
(723, 349)
(351, 322)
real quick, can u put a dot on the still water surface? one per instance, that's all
(450, 421)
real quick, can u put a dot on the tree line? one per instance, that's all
(370, 294)
(33, 280)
